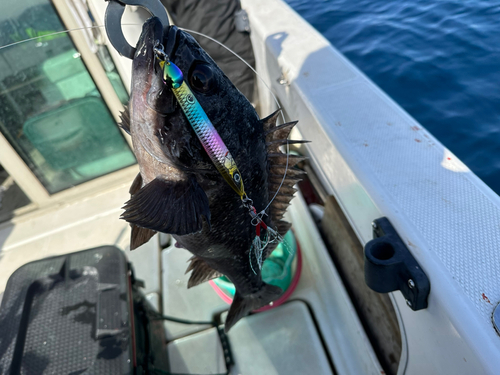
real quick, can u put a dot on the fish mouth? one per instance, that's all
(144, 58)
(154, 36)
(147, 76)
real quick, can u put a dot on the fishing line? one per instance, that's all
(243, 60)
(54, 33)
(62, 32)
(261, 213)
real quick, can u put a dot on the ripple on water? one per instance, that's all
(438, 60)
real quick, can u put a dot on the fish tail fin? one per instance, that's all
(241, 306)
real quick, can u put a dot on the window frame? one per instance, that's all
(19, 170)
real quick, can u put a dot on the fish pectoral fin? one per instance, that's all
(140, 236)
(201, 272)
(167, 206)
(136, 184)
(241, 306)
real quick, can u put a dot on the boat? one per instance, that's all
(399, 239)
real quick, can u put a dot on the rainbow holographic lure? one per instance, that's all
(203, 127)
(216, 150)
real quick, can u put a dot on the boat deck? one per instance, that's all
(318, 313)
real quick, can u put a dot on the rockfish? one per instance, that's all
(180, 191)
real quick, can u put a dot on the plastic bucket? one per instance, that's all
(282, 268)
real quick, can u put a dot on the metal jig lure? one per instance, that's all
(202, 126)
(216, 149)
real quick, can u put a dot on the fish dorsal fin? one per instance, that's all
(270, 121)
(274, 145)
(276, 136)
(276, 178)
(201, 272)
(279, 159)
(291, 172)
(125, 117)
(139, 236)
(280, 132)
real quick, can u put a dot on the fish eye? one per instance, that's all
(202, 78)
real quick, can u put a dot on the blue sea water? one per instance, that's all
(440, 60)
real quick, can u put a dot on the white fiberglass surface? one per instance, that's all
(320, 287)
(378, 161)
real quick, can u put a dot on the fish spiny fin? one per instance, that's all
(280, 131)
(273, 146)
(241, 306)
(282, 198)
(280, 204)
(167, 206)
(270, 121)
(285, 189)
(278, 158)
(140, 236)
(276, 178)
(201, 272)
(278, 170)
(279, 163)
(283, 227)
(125, 117)
(277, 136)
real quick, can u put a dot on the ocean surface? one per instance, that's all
(440, 60)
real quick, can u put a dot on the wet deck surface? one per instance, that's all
(94, 221)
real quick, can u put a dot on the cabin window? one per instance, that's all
(51, 111)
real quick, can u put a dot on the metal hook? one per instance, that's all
(113, 17)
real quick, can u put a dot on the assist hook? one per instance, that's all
(113, 17)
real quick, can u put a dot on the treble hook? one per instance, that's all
(113, 17)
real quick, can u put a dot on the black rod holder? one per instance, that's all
(389, 266)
